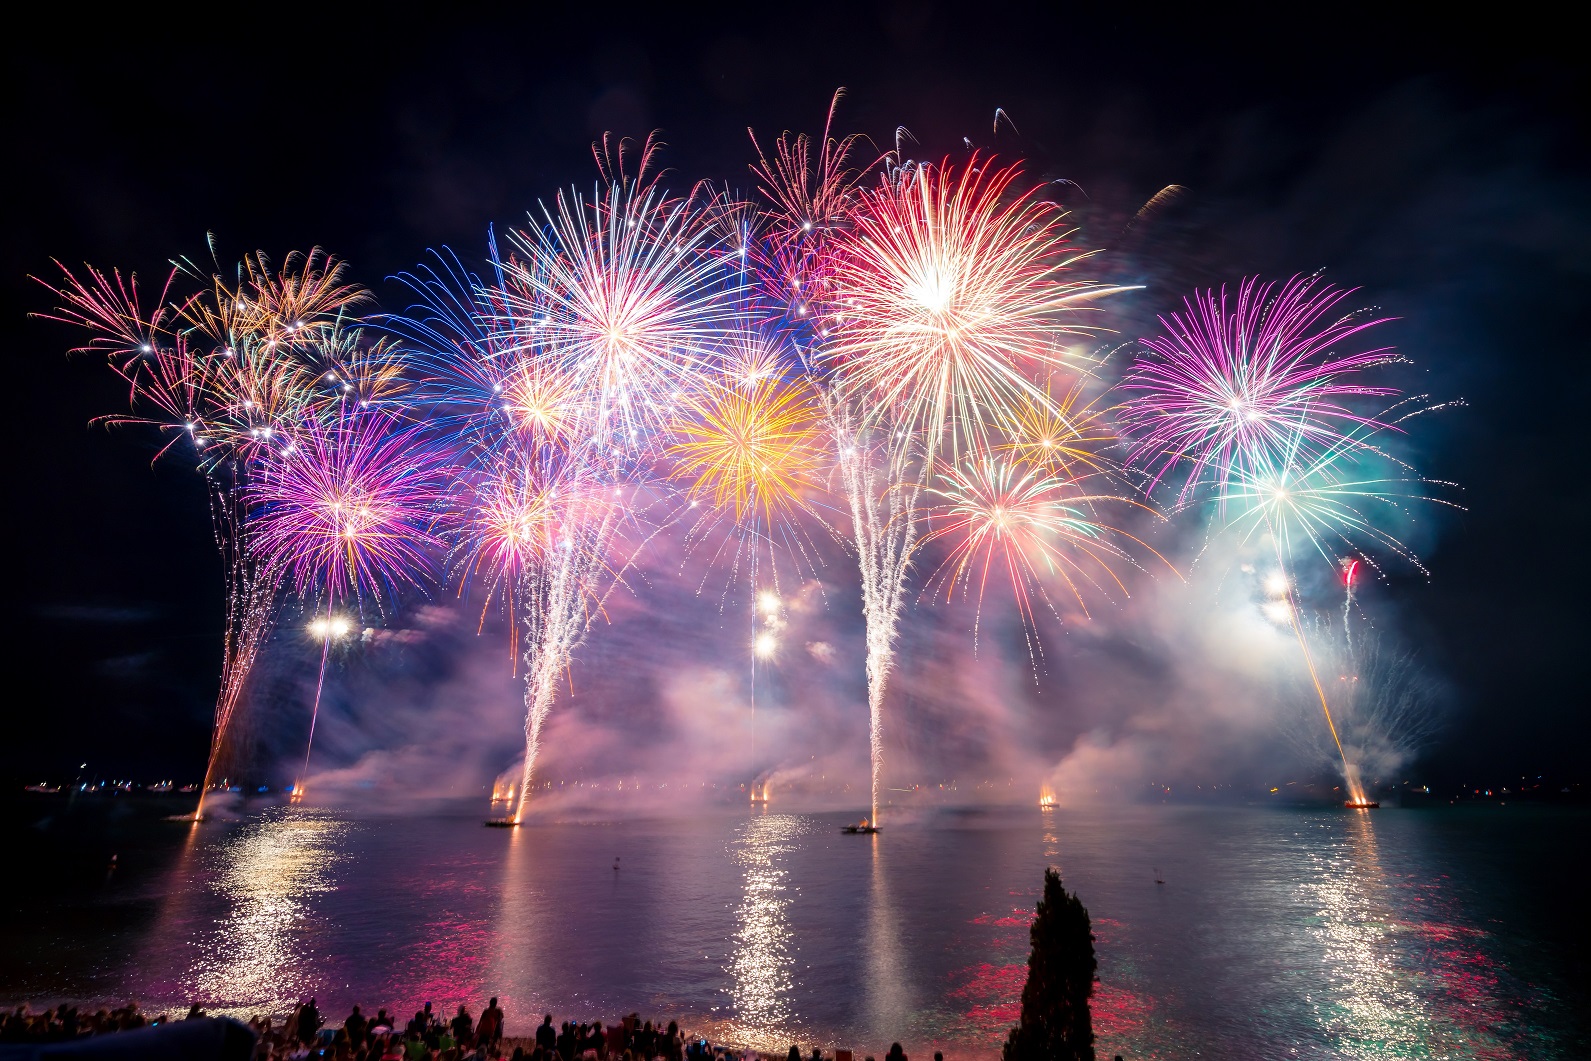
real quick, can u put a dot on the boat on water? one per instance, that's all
(500, 823)
(861, 827)
(1362, 804)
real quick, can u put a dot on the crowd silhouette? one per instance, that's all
(306, 1035)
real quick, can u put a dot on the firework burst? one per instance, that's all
(947, 292)
(1249, 398)
(349, 504)
(1020, 523)
(221, 372)
(623, 296)
(750, 445)
(1234, 380)
(555, 383)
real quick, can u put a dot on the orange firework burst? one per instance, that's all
(750, 444)
(513, 523)
(1033, 526)
(545, 401)
(947, 291)
(287, 305)
(1061, 435)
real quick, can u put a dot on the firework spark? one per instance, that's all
(1014, 519)
(1232, 381)
(219, 371)
(947, 292)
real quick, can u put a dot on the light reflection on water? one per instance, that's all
(760, 957)
(259, 952)
(1297, 934)
(1368, 1009)
(888, 995)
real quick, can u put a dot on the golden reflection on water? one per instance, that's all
(888, 1001)
(515, 945)
(1370, 1008)
(256, 956)
(760, 963)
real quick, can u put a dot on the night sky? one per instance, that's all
(1440, 167)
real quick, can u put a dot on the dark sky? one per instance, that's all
(1441, 166)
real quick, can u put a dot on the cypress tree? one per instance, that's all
(1055, 1024)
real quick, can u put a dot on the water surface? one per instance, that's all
(1278, 933)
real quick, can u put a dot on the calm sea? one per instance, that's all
(1278, 933)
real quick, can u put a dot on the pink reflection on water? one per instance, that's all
(447, 965)
(995, 996)
(446, 961)
(992, 995)
(1119, 1013)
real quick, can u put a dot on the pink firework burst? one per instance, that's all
(1231, 382)
(349, 505)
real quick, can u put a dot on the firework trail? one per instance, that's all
(933, 296)
(220, 369)
(346, 509)
(522, 433)
(1249, 400)
(556, 381)
(1384, 700)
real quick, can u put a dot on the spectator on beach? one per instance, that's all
(308, 1022)
(463, 1027)
(547, 1035)
(303, 1036)
(489, 1029)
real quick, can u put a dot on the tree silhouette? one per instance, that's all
(1055, 1023)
